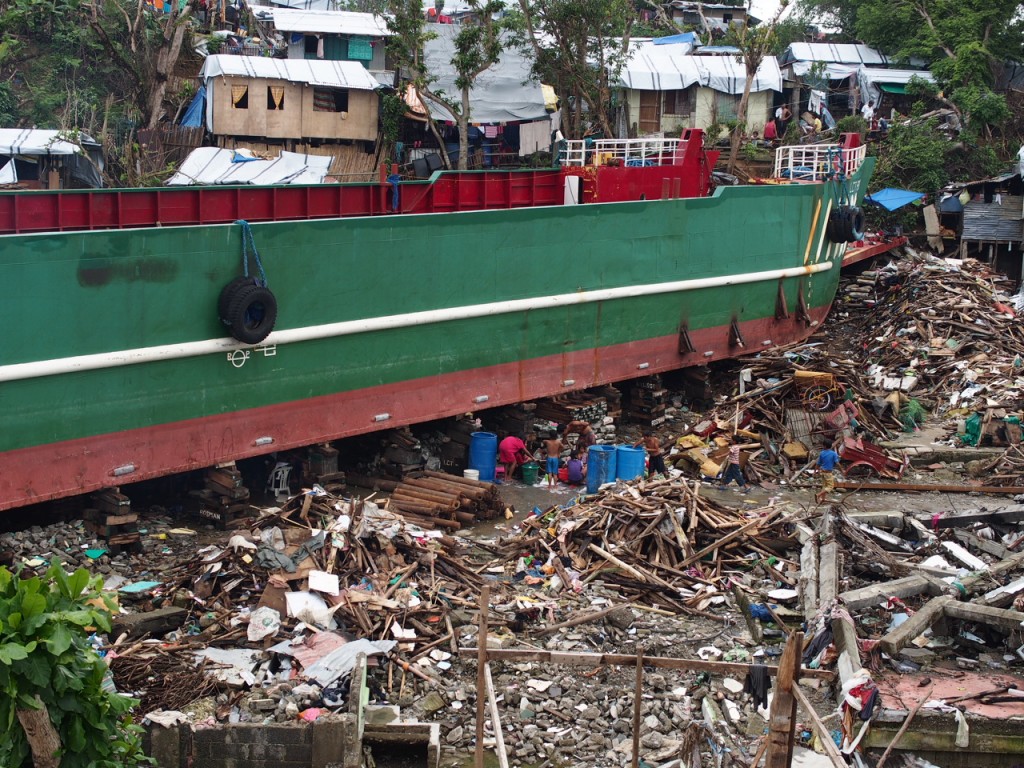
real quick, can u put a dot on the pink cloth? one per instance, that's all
(510, 448)
(734, 454)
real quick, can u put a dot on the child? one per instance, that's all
(656, 458)
(577, 470)
(732, 467)
(553, 450)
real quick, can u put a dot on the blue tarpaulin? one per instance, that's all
(891, 199)
(685, 37)
(194, 114)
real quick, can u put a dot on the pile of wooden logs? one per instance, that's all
(577, 406)
(660, 542)
(438, 500)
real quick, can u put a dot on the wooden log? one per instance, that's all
(481, 675)
(940, 488)
(160, 621)
(492, 703)
(893, 642)
(629, 660)
(577, 620)
(43, 739)
(637, 700)
(457, 479)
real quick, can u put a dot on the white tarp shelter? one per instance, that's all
(666, 68)
(330, 22)
(874, 81)
(38, 141)
(504, 93)
(842, 59)
(212, 165)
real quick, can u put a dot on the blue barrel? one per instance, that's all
(629, 462)
(483, 454)
(600, 466)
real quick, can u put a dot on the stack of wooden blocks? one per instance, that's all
(223, 498)
(647, 401)
(111, 518)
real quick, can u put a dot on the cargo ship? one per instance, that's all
(155, 331)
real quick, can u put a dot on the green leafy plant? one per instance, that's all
(852, 124)
(47, 664)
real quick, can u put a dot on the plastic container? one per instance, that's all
(530, 472)
(471, 474)
(483, 454)
(629, 462)
(600, 466)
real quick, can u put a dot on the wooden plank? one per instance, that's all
(492, 703)
(782, 716)
(824, 737)
(625, 659)
(931, 612)
(481, 679)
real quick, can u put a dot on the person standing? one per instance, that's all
(553, 450)
(733, 471)
(586, 434)
(785, 115)
(512, 453)
(655, 455)
(868, 113)
(827, 461)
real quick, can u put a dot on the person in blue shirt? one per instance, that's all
(827, 461)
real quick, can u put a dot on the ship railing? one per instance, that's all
(627, 152)
(817, 162)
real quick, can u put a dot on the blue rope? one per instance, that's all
(837, 171)
(249, 244)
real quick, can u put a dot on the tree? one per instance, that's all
(407, 25)
(580, 47)
(964, 42)
(478, 47)
(54, 706)
(755, 43)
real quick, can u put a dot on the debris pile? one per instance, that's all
(658, 541)
(943, 329)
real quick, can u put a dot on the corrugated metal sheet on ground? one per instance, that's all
(210, 165)
(994, 222)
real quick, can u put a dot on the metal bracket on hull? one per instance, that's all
(685, 344)
(803, 313)
(735, 337)
(781, 306)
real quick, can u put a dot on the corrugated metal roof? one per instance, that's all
(335, 74)
(669, 68)
(995, 222)
(330, 22)
(835, 53)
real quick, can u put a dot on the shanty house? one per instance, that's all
(719, 16)
(830, 67)
(37, 158)
(249, 96)
(667, 89)
(334, 36)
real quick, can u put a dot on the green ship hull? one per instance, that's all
(116, 367)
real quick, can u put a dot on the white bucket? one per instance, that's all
(471, 474)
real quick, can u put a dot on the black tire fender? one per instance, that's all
(251, 313)
(227, 293)
(855, 230)
(835, 229)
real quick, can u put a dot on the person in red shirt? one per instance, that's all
(512, 453)
(732, 467)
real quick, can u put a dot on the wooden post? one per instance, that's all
(492, 703)
(782, 718)
(481, 674)
(636, 705)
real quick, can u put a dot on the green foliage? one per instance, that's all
(392, 110)
(478, 45)
(213, 45)
(914, 157)
(852, 124)
(981, 106)
(912, 415)
(8, 106)
(45, 657)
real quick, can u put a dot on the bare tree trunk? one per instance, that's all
(464, 131)
(43, 739)
(741, 121)
(166, 59)
(426, 94)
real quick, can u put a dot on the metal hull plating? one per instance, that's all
(115, 367)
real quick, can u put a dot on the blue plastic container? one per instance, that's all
(629, 462)
(600, 466)
(483, 454)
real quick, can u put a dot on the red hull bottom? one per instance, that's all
(56, 470)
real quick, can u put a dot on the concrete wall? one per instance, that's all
(296, 120)
(707, 103)
(328, 743)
